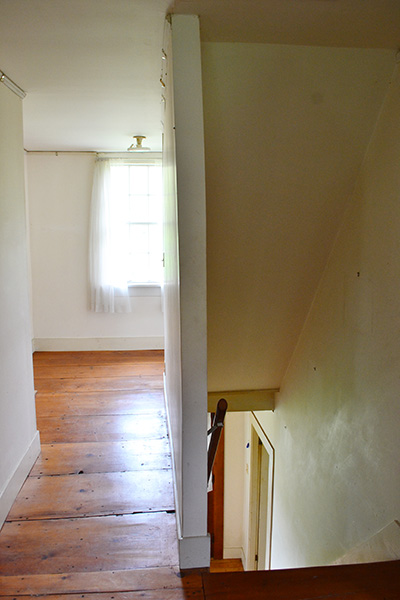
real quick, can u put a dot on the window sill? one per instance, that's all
(144, 289)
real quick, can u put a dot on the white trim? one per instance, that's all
(17, 479)
(383, 546)
(106, 343)
(194, 552)
(234, 552)
(144, 290)
(262, 436)
(131, 158)
(173, 466)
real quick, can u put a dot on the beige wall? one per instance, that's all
(19, 440)
(336, 426)
(59, 192)
(286, 129)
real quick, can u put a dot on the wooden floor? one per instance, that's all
(95, 519)
(96, 515)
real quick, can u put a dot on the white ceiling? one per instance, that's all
(91, 68)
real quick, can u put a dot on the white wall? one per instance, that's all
(336, 426)
(59, 192)
(234, 500)
(19, 439)
(185, 290)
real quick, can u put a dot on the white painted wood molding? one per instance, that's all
(385, 545)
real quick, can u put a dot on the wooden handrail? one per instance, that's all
(215, 432)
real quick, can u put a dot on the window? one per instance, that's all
(137, 189)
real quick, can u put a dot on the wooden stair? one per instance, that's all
(373, 581)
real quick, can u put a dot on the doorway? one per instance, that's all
(261, 498)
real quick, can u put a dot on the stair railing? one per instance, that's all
(215, 432)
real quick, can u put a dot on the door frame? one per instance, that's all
(258, 436)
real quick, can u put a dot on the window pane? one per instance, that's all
(139, 209)
(138, 238)
(155, 181)
(140, 268)
(155, 239)
(139, 180)
(139, 189)
(119, 180)
(155, 267)
(154, 209)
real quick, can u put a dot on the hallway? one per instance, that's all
(97, 511)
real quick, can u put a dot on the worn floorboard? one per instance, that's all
(89, 403)
(99, 384)
(102, 457)
(93, 494)
(106, 428)
(132, 580)
(89, 544)
(142, 369)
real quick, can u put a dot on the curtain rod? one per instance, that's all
(11, 85)
(114, 155)
(60, 152)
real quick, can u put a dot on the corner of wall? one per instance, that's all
(16, 481)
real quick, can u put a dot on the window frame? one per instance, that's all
(144, 159)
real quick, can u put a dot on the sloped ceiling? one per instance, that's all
(286, 130)
(345, 23)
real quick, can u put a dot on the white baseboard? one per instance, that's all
(15, 482)
(82, 344)
(233, 552)
(194, 552)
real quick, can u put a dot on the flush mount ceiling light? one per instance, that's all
(137, 145)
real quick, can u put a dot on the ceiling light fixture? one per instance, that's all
(11, 85)
(137, 146)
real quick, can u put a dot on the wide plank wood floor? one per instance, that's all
(96, 515)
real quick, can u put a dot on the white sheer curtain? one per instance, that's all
(108, 245)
